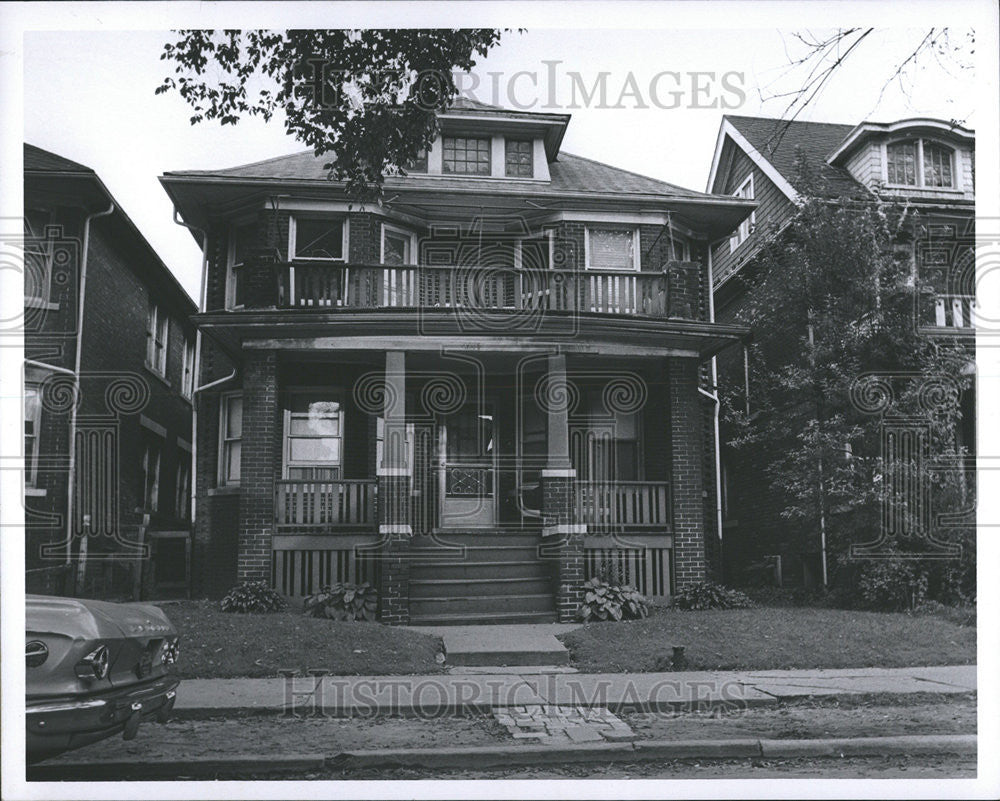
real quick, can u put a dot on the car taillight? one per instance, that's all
(170, 651)
(95, 664)
(35, 653)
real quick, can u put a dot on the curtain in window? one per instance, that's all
(611, 249)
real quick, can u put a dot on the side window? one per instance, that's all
(746, 228)
(230, 440)
(157, 330)
(241, 239)
(187, 374)
(37, 255)
(182, 504)
(151, 477)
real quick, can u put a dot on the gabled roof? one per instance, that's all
(781, 143)
(38, 160)
(568, 173)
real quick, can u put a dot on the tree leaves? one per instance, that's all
(367, 96)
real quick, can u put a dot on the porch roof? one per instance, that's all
(437, 329)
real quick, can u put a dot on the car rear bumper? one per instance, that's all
(60, 724)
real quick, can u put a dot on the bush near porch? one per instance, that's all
(771, 638)
(217, 644)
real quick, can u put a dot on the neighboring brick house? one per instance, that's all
(926, 163)
(474, 394)
(108, 382)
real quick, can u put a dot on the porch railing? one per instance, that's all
(344, 504)
(302, 285)
(622, 504)
(955, 311)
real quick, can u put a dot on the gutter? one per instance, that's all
(714, 396)
(76, 372)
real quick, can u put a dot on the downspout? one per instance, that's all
(196, 367)
(71, 472)
(714, 395)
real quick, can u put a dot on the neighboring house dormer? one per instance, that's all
(915, 158)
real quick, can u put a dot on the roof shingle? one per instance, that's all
(781, 142)
(43, 161)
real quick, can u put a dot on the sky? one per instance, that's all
(89, 96)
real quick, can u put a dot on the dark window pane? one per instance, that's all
(465, 156)
(319, 239)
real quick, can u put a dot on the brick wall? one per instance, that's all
(688, 453)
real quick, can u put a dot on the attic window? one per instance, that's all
(918, 162)
(520, 158)
(466, 155)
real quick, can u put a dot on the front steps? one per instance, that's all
(480, 577)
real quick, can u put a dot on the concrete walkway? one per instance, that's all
(503, 645)
(348, 696)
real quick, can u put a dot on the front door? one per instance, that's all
(467, 468)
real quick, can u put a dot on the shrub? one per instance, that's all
(709, 595)
(603, 601)
(252, 596)
(892, 585)
(343, 602)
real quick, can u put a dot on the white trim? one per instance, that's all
(393, 471)
(728, 129)
(395, 528)
(187, 369)
(345, 225)
(564, 528)
(559, 472)
(636, 247)
(548, 233)
(229, 301)
(335, 392)
(395, 229)
(155, 318)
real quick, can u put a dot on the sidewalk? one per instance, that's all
(351, 696)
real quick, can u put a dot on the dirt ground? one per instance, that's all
(269, 735)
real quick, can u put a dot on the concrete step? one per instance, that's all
(471, 588)
(481, 604)
(480, 569)
(503, 646)
(481, 618)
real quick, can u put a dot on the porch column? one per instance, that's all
(686, 474)
(395, 476)
(558, 489)
(260, 458)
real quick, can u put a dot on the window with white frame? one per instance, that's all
(32, 427)
(747, 226)
(314, 424)
(182, 504)
(317, 238)
(230, 439)
(151, 477)
(187, 376)
(397, 246)
(37, 255)
(463, 155)
(241, 238)
(611, 248)
(157, 330)
(920, 162)
(536, 252)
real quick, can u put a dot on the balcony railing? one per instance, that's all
(622, 505)
(344, 505)
(325, 286)
(955, 311)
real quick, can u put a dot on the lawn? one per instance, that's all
(216, 644)
(771, 638)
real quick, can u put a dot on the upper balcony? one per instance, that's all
(674, 292)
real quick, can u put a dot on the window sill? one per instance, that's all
(39, 303)
(942, 190)
(35, 492)
(229, 489)
(158, 374)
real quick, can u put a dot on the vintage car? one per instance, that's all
(94, 669)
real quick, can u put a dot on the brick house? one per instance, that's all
(474, 394)
(108, 383)
(929, 165)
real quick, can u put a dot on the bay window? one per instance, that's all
(317, 238)
(612, 248)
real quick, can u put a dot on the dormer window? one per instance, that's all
(520, 158)
(466, 155)
(919, 162)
